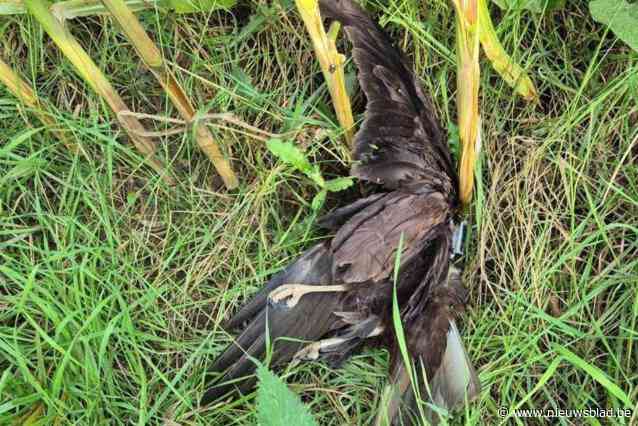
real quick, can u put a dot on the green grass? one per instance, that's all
(113, 286)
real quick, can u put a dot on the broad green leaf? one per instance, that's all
(620, 16)
(339, 184)
(290, 154)
(316, 177)
(536, 6)
(277, 405)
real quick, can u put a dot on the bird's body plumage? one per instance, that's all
(402, 150)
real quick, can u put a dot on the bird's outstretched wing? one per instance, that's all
(285, 330)
(400, 141)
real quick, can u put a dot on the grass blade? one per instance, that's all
(596, 373)
(401, 339)
(21, 90)
(90, 72)
(72, 9)
(154, 60)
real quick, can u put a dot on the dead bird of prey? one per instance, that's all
(338, 294)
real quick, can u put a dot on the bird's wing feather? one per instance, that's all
(287, 329)
(311, 267)
(364, 248)
(400, 141)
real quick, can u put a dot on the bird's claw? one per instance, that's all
(289, 294)
(309, 352)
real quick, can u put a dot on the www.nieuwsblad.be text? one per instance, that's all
(566, 412)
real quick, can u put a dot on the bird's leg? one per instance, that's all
(312, 351)
(291, 293)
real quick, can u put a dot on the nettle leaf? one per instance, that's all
(339, 184)
(277, 405)
(536, 6)
(290, 154)
(620, 16)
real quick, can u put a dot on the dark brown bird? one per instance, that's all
(338, 294)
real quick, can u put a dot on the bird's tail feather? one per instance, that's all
(453, 383)
(456, 380)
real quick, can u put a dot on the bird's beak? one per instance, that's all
(467, 48)
(330, 61)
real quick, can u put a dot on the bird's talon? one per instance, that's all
(309, 353)
(286, 294)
